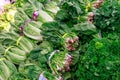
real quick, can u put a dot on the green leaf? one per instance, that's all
(85, 28)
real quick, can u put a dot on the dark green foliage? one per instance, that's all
(51, 33)
(40, 54)
(100, 61)
(70, 10)
(30, 71)
(107, 17)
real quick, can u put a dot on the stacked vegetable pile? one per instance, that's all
(60, 40)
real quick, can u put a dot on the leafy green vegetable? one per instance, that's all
(99, 61)
(15, 55)
(107, 17)
(52, 7)
(32, 31)
(85, 28)
(60, 40)
(7, 69)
